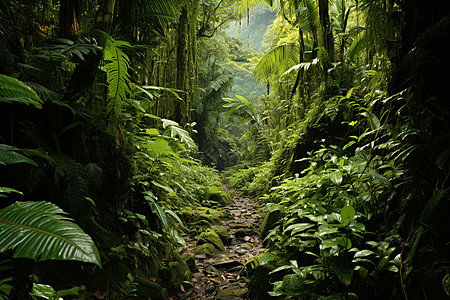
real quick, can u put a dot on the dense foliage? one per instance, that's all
(114, 113)
(356, 190)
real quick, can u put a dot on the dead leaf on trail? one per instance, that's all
(99, 295)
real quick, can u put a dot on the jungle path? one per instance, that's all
(218, 277)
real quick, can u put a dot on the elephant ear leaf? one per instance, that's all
(42, 231)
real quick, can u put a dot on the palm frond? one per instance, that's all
(308, 16)
(305, 66)
(277, 60)
(13, 90)
(42, 231)
(241, 107)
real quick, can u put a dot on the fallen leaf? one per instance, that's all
(99, 295)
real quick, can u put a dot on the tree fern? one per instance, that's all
(41, 231)
(78, 178)
(118, 79)
(13, 90)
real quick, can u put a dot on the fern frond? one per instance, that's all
(78, 179)
(221, 81)
(118, 81)
(13, 90)
(43, 92)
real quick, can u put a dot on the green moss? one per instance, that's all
(270, 220)
(149, 289)
(174, 273)
(222, 233)
(218, 195)
(207, 249)
(189, 258)
(185, 272)
(193, 214)
(247, 246)
(211, 237)
(228, 294)
(241, 232)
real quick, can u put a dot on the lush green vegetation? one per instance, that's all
(116, 117)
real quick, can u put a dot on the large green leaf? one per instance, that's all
(13, 90)
(41, 231)
(347, 214)
(9, 156)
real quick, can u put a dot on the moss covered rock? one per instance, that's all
(242, 232)
(194, 214)
(218, 195)
(189, 258)
(222, 233)
(270, 221)
(149, 289)
(231, 294)
(174, 273)
(210, 237)
(207, 249)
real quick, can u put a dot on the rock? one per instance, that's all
(148, 289)
(247, 246)
(176, 272)
(200, 256)
(192, 214)
(231, 294)
(242, 232)
(211, 237)
(206, 249)
(189, 258)
(199, 226)
(236, 269)
(227, 264)
(222, 233)
(210, 289)
(241, 251)
(217, 194)
(210, 269)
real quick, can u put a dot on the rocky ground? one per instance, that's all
(219, 264)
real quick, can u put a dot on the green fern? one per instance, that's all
(118, 81)
(78, 178)
(13, 90)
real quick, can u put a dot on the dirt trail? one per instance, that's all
(218, 277)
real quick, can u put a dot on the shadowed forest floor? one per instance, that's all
(218, 277)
